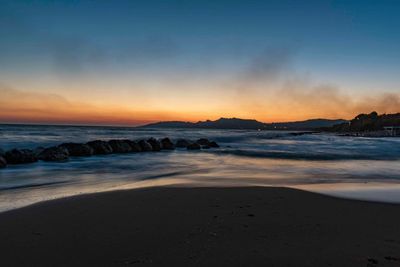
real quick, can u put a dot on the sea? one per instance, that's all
(361, 168)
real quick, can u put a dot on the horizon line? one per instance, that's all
(87, 124)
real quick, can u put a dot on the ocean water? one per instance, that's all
(351, 167)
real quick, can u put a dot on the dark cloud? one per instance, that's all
(73, 55)
(27, 42)
(270, 84)
(269, 65)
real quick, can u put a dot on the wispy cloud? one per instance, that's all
(270, 85)
(34, 107)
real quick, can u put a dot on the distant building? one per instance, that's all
(393, 130)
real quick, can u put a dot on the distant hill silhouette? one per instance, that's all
(248, 124)
(367, 123)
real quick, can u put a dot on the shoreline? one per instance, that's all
(378, 193)
(202, 226)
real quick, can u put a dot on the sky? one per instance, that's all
(134, 62)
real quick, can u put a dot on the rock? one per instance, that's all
(135, 147)
(55, 153)
(120, 146)
(203, 142)
(78, 150)
(3, 162)
(166, 143)
(390, 258)
(100, 147)
(372, 260)
(19, 156)
(155, 144)
(38, 150)
(213, 144)
(145, 146)
(194, 146)
(182, 143)
(2, 153)
(205, 147)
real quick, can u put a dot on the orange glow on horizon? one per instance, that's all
(40, 108)
(115, 116)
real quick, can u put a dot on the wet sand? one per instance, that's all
(167, 226)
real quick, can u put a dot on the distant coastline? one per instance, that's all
(367, 125)
(248, 124)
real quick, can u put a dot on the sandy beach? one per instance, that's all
(170, 226)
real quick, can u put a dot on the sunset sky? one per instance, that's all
(132, 62)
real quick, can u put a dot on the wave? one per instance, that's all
(178, 173)
(32, 185)
(304, 156)
(251, 137)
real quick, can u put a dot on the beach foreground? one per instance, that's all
(170, 226)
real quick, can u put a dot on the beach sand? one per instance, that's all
(172, 226)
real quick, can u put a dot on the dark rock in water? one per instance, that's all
(205, 147)
(193, 146)
(2, 153)
(155, 144)
(78, 150)
(135, 147)
(213, 144)
(100, 147)
(3, 162)
(120, 146)
(145, 146)
(373, 261)
(203, 142)
(55, 153)
(38, 150)
(19, 156)
(166, 143)
(182, 143)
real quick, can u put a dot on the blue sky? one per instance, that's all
(134, 47)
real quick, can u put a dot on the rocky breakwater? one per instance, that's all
(55, 153)
(64, 151)
(3, 162)
(20, 156)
